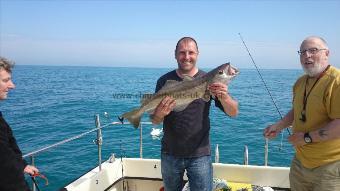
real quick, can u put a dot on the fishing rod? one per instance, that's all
(265, 85)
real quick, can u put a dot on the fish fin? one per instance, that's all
(133, 117)
(146, 97)
(173, 83)
(168, 84)
(180, 108)
(187, 78)
(121, 119)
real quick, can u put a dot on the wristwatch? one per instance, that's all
(307, 138)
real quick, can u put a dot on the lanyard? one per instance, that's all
(303, 117)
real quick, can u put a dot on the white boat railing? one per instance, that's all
(99, 141)
(245, 155)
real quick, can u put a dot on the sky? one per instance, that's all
(144, 33)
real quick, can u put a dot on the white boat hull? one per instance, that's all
(137, 174)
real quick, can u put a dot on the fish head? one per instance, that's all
(224, 73)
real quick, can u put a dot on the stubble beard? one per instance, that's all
(186, 66)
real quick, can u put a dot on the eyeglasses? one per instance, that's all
(310, 51)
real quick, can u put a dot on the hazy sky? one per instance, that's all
(144, 33)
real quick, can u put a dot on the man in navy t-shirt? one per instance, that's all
(186, 144)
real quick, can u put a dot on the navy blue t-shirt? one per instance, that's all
(186, 133)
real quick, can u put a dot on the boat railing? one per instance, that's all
(99, 142)
(245, 155)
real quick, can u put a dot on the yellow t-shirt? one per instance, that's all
(323, 105)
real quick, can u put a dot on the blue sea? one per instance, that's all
(53, 103)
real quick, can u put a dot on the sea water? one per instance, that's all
(53, 103)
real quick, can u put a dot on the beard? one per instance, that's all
(315, 70)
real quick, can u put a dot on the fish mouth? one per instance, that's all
(227, 70)
(236, 71)
(230, 70)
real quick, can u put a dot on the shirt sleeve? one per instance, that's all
(333, 101)
(158, 85)
(11, 163)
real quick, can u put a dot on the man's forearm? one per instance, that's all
(328, 132)
(156, 119)
(286, 121)
(230, 106)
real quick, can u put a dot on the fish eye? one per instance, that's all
(220, 72)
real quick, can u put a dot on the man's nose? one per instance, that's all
(11, 85)
(187, 54)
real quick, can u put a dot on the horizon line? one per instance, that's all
(143, 67)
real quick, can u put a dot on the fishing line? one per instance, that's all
(265, 85)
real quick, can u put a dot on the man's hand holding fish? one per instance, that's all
(163, 109)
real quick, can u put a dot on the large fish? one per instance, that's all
(184, 92)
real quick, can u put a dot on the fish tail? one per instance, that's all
(133, 117)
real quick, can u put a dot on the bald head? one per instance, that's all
(314, 55)
(318, 40)
(185, 40)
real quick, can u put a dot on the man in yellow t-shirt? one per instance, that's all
(315, 118)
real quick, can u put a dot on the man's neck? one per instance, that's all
(191, 73)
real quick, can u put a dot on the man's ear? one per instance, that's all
(327, 53)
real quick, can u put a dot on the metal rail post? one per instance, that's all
(266, 153)
(246, 159)
(34, 188)
(99, 142)
(217, 154)
(141, 141)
